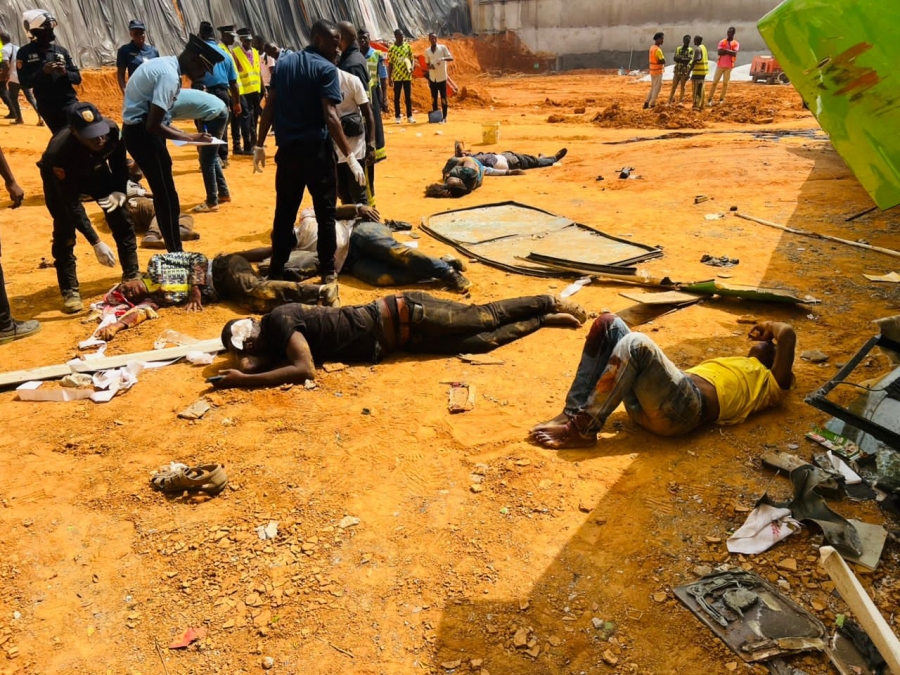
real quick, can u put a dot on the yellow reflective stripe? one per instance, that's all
(228, 51)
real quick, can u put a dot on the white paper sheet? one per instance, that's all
(215, 141)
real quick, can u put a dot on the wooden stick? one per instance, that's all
(862, 606)
(162, 660)
(335, 647)
(860, 214)
(816, 235)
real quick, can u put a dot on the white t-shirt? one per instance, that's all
(266, 64)
(307, 232)
(9, 57)
(354, 94)
(436, 57)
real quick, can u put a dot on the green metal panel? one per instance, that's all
(842, 56)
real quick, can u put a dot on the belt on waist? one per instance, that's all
(394, 320)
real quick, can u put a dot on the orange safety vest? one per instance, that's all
(657, 60)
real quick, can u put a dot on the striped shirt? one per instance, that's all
(401, 58)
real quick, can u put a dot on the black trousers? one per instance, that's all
(254, 110)
(224, 95)
(55, 115)
(150, 152)
(446, 327)
(406, 88)
(240, 126)
(438, 88)
(6, 320)
(349, 191)
(14, 89)
(4, 96)
(235, 279)
(302, 166)
(69, 217)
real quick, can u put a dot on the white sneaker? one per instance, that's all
(410, 120)
(398, 120)
(444, 121)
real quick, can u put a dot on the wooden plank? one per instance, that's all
(94, 365)
(17, 377)
(664, 298)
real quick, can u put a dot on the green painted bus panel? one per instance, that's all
(842, 56)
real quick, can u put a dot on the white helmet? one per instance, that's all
(38, 19)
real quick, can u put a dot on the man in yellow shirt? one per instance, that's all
(618, 366)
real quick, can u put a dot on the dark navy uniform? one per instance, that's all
(69, 169)
(54, 93)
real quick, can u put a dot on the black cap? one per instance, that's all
(84, 118)
(226, 29)
(136, 24)
(207, 53)
(245, 32)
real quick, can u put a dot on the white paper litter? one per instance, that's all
(199, 358)
(765, 526)
(573, 288)
(110, 382)
(269, 531)
(170, 336)
(839, 465)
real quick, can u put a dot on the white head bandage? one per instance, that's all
(240, 331)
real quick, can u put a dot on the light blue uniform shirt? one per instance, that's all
(156, 82)
(222, 73)
(193, 104)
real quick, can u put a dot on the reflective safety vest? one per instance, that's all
(248, 73)
(657, 60)
(373, 62)
(701, 67)
(228, 51)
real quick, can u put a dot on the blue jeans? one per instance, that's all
(618, 366)
(378, 259)
(210, 165)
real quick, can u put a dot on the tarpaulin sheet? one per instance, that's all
(842, 57)
(504, 234)
(92, 30)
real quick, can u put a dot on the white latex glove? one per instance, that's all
(105, 255)
(112, 201)
(356, 169)
(259, 159)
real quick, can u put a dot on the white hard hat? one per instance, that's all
(38, 19)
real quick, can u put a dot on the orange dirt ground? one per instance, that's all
(97, 568)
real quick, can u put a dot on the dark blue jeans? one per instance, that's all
(376, 258)
(210, 165)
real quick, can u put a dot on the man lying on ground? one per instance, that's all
(141, 213)
(461, 175)
(367, 250)
(188, 279)
(619, 366)
(285, 345)
(500, 164)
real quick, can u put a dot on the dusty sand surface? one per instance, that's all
(98, 568)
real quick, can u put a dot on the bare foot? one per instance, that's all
(569, 307)
(557, 438)
(560, 420)
(566, 320)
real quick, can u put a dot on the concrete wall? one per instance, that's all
(603, 33)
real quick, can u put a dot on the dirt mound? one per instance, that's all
(100, 88)
(616, 117)
(744, 113)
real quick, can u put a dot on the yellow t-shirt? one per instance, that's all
(743, 386)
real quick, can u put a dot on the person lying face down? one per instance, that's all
(620, 366)
(285, 345)
(188, 279)
(367, 250)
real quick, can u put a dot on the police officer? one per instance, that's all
(87, 157)
(149, 97)
(222, 83)
(303, 99)
(48, 70)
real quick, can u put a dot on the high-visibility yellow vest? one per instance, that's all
(701, 67)
(228, 51)
(248, 73)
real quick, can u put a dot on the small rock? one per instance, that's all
(476, 487)
(334, 367)
(784, 585)
(520, 639)
(702, 570)
(348, 521)
(476, 663)
(814, 356)
(450, 665)
(309, 384)
(17, 616)
(660, 597)
(268, 663)
(584, 508)
(789, 564)
(554, 641)
(731, 666)
(818, 606)
(598, 623)
(610, 658)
